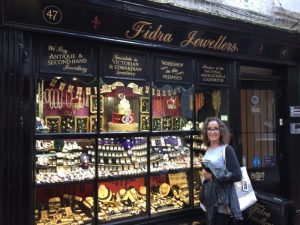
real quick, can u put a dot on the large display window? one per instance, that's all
(120, 144)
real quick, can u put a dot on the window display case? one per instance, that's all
(169, 192)
(64, 160)
(122, 156)
(66, 104)
(120, 146)
(172, 108)
(121, 198)
(64, 204)
(124, 108)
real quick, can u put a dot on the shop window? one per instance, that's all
(169, 192)
(210, 102)
(71, 203)
(124, 108)
(66, 104)
(122, 156)
(172, 108)
(64, 160)
(121, 198)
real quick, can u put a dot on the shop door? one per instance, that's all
(260, 125)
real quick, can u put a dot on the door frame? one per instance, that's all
(274, 83)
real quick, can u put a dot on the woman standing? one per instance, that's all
(218, 193)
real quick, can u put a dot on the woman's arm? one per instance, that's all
(232, 164)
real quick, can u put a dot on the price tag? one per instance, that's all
(52, 14)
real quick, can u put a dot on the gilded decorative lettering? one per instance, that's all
(172, 70)
(216, 44)
(59, 55)
(212, 73)
(259, 214)
(144, 29)
(125, 65)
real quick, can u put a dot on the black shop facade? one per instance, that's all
(104, 104)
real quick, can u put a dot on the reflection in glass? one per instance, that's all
(122, 156)
(64, 160)
(71, 203)
(213, 102)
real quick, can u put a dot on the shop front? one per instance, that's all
(104, 103)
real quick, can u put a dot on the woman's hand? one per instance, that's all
(207, 175)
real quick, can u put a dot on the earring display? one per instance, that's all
(216, 101)
(94, 104)
(176, 123)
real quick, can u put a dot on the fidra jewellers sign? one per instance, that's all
(147, 31)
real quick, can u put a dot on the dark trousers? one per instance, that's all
(225, 219)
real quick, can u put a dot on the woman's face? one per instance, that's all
(213, 131)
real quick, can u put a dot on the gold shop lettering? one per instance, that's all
(212, 73)
(125, 65)
(219, 43)
(171, 70)
(145, 30)
(58, 55)
(259, 215)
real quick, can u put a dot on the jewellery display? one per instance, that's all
(169, 153)
(53, 123)
(63, 210)
(81, 124)
(145, 122)
(176, 123)
(94, 104)
(167, 123)
(69, 106)
(156, 124)
(144, 105)
(199, 101)
(104, 194)
(64, 161)
(166, 198)
(121, 157)
(67, 124)
(124, 203)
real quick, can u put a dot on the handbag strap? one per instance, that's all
(224, 154)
